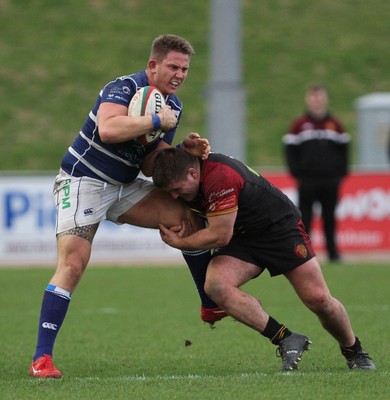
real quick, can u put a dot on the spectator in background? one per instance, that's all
(316, 151)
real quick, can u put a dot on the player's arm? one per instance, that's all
(217, 234)
(116, 126)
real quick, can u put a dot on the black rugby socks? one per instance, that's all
(275, 331)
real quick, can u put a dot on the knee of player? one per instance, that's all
(70, 273)
(319, 301)
(216, 290)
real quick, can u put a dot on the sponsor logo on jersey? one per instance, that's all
(213, 196)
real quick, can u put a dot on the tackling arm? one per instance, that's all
(217, 234)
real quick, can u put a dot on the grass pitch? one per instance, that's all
(126, 332)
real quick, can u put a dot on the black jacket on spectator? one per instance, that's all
(317, 148)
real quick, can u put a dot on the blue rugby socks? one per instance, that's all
(198, 261)
(55, 305)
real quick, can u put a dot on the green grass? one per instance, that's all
(124, 338)
(56, 56)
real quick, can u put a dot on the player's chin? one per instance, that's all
(173, 88)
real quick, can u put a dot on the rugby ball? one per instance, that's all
(147, 101)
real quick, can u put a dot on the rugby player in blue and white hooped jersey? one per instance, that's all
(98, 152)
(99, 180)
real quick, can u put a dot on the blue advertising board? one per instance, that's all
(27, 223)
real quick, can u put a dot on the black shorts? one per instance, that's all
(283, 247)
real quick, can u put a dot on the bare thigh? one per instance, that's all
(225, 271)
(74, 250)
(309, 283)
(158, 207)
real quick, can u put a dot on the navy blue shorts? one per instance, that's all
(283, 247)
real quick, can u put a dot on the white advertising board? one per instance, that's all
(27, 221)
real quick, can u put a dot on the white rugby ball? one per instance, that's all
(147, 101)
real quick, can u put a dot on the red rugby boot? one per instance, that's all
(43, 367)
(212, 315)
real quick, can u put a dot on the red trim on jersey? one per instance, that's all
(221, 186)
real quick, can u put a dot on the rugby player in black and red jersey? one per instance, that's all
(253, 226)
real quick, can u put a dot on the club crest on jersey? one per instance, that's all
(300, 250)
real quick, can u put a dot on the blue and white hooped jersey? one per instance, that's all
(116, 163)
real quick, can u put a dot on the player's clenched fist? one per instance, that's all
(168, 118)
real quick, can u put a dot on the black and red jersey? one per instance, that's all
(227, 185)
(317, 148)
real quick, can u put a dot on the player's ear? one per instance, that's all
(152, 65)
(193, 173)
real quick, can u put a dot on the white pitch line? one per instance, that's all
(170, 377)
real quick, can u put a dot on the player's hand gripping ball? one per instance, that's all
(147, 101)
